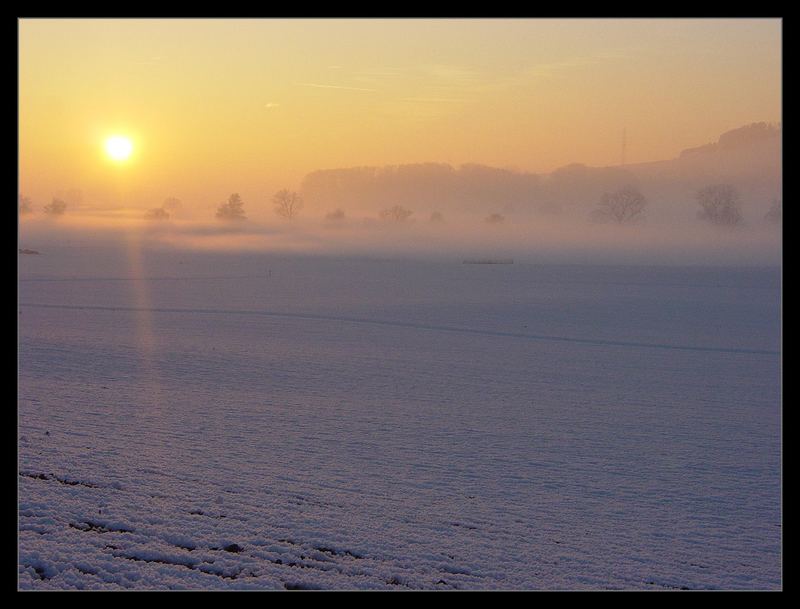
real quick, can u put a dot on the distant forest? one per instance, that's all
(748, 157)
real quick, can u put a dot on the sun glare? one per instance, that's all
(119, 148)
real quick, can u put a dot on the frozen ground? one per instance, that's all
(244, 421)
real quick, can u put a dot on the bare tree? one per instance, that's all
(775, 213)
(622, 206)
(396, 213)
(287, 203)
(55, 208)
(720, 204)
(494, 219)
(233, 209)
(25, 205)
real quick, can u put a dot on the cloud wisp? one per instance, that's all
(325, 86)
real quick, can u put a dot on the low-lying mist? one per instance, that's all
(565, 238)
(718, 204)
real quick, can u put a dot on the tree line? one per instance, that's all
(286, 204)
(720, 204)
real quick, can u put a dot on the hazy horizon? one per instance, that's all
(452, 212)
(252, 106)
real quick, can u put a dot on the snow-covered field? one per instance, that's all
(263, 422)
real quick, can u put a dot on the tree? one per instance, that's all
(168, 207)
(396, 213)
(336, 215)
(720, 205)
(437, 217)
(73, 197)
(494, 219)
(287, 204)
(25, 205)
(171, 204)
(157, 213)
(233, 209)
(775, 213)
(622, 206)
(56, 207)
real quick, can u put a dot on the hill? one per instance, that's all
(748, 157)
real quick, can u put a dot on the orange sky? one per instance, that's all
(217, 106)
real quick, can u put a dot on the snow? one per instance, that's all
(232, 421)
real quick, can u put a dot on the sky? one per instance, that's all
(219, 106)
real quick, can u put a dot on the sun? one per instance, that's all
(119, 148)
